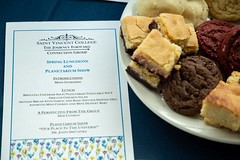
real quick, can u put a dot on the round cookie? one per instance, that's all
(193, 11)
(153, 8)
(185, 89)
(227, 10)
(210, 35)
(229, 51)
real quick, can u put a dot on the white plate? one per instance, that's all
(192, 125)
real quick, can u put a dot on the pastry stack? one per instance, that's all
(157, 46)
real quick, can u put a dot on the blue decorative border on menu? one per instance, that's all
(93, 148)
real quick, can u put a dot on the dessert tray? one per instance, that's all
(153, 100)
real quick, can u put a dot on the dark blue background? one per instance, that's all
(153, 138)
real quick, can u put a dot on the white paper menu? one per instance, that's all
(65, 97)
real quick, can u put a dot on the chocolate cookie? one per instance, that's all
(210, 35)
(185, 89)
(230, 51)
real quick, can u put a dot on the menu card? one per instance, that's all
(65, 95)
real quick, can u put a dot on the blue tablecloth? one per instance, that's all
(153, 138)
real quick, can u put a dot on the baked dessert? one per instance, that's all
(229, 58)
(186, 87)
(138, 72)
(191, 46)
(153, 8)
(210, 35)
(221, 108)
(227, 10)
(194, 11)
(157, 54)
(234, 79)
(173, 27)
(133, 30)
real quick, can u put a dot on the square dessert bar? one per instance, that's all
(191, 46)
(133, 30)
(173, 27)
(150, 80)
(221, 108)
(157, 54)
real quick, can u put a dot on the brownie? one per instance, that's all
(210, 35)
(185, 89)
(229, 51)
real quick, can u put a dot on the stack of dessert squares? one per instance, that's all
(156, 44)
